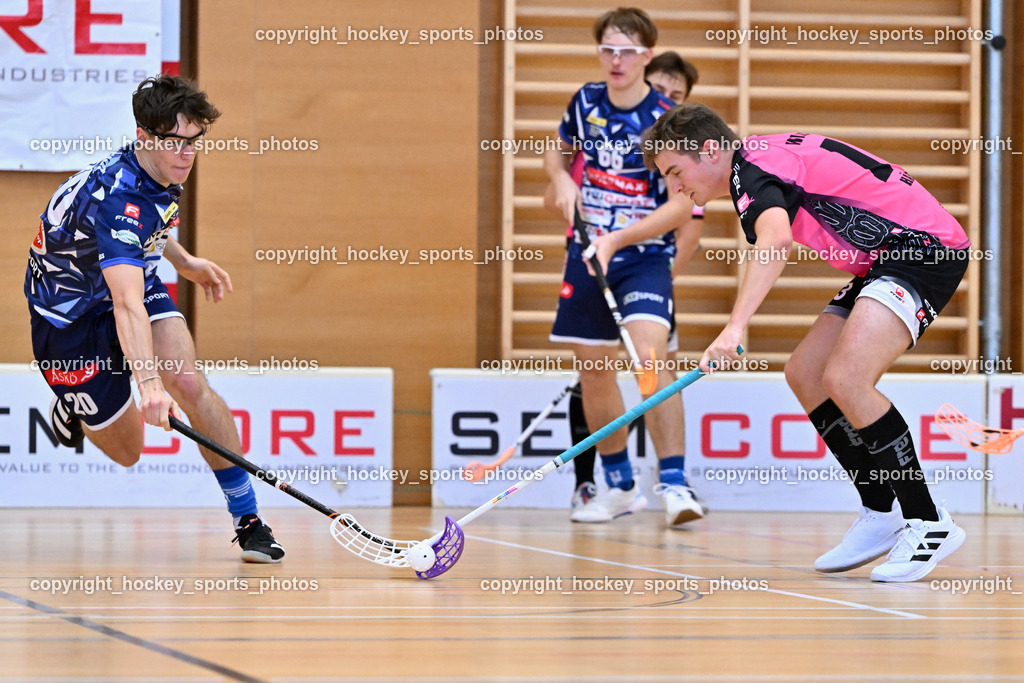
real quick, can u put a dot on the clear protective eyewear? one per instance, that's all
(620, 51)
(176, 143)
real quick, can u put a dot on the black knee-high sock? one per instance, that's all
(848, 447)
(584, 462)
(890, 444)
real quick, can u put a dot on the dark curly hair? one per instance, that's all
(158, 101)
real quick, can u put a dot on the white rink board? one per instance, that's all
(749, 445)
(310, 428)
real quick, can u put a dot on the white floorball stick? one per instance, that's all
(477, 470)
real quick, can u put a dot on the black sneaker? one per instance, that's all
(257, 542)
(66, 426)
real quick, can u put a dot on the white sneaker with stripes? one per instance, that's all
(921, 546)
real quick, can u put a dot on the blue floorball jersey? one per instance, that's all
(617, 189)
(112, 212)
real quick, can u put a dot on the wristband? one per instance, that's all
(143, 381)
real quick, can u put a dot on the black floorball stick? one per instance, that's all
(647, 380)
(447, 545)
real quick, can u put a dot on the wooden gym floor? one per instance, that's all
(731, 598)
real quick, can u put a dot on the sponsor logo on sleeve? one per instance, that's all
(121, 218)
(126, 236)
(39, 243)
(744, 202)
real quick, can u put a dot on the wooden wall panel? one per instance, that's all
(23, 197)
(395, 166)
(893, 99)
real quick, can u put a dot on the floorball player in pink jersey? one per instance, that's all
(907, 255)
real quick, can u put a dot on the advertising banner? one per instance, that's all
(749, 446)
(327, 431)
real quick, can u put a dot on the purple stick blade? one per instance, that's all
(447, 550)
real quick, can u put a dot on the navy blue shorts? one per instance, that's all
(84, 365)
(641, 284)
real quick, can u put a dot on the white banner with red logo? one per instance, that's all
(749, 446)
(1005, 411)
(326, 431)
(67, 73)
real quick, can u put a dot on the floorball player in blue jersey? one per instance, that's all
(673, 77)
(101, 317)
(628, 214)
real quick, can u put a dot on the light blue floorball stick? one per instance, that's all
(452, 549)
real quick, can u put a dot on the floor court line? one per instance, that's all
(446, 608)
(102, 629)
(558, 553)
(107, 679)
(681, 679)
(576, 613)
(519, 639)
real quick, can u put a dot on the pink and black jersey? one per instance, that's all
(844, 203)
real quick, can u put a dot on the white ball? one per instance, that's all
(421, 557)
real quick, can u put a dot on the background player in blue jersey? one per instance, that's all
(626, 210)
(673, 77)
(100, 314)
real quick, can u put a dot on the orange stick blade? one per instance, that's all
(647, 379)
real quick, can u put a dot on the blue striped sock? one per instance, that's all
(672, 470)
(234, 481)
(618, 472)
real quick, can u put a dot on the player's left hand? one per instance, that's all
(602, 248)
(214, 280)
(723, 351)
